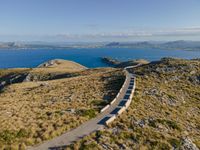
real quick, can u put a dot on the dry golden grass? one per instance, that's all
(5, 72)
(31, 112)
(61, 65)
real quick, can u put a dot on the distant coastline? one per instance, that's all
(173, 45)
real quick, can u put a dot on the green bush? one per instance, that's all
(22, 133)
(169, 123)
(172, 124)
(89, 146)
(152, 123)
(175, 143)
(98, 103)
(88, 113)
(9, 136)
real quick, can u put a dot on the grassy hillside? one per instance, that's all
(32, 112)
(164, 114)
(54, 69)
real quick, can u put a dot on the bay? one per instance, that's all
(91, 57)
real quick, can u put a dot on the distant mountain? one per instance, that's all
(132, 45)
(173, 45)
(186, 45)
(113, 44)
(17, 45)
(10, 44)
(182, 45)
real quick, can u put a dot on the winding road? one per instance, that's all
(94, 124)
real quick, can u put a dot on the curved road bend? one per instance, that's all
(88, 127)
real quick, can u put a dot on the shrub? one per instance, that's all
(172, 124)
(98, 102)
(88, 113)
(88, 146)
(22, 133)
(169, 123)
(175, 142)
(7, 136)
(152, 123)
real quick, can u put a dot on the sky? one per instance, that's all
(99, 20)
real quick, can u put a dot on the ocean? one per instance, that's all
(91, 57)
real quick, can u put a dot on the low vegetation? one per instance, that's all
(164, 113)
(32, 112)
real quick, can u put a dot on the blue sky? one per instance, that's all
(99, 20)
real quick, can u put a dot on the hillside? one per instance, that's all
(38, 110)
(53, 69)
(164, 113)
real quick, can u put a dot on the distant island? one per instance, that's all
(172, 45)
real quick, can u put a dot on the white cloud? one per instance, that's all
(142, 34)
(139, 33)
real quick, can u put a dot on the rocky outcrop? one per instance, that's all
(49, 76)
(110, 61)
(122, 64)
(12, 78)
(187, 144)
(132, 63)
(49, 63)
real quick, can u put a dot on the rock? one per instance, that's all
(141, 123)
(110, 61)
(152, 91)
(174, 78)
(194, 79)
(2, 84)
(71, 111)
(123, 146)
(43, 84)
(49, 63)
(193, 72)
(165, 69)
(187, 144)
(106, 147)
(28, 78)
(116, 130)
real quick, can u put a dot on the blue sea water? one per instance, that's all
(88, 57)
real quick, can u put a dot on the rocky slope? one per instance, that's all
(10, 76)
(164, 114)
